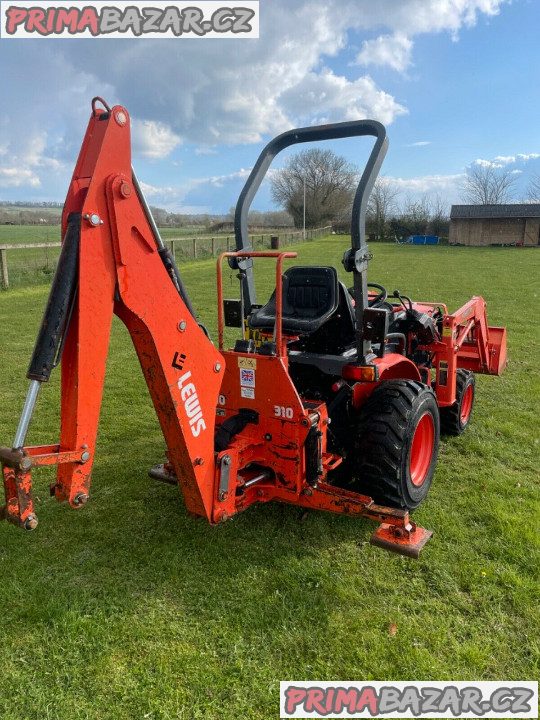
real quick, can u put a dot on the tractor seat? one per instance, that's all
(310, 297)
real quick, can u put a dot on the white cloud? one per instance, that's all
(242, 92)
(221, 180)
(17, 177)
(422, 16)
(427, 183)
(172, 197)
(526, 158)
(486, 163)
(326, 97)
(152, 139)
(501, 161)
(394, 51)
(420, 143)
(215, 92)
(152, 191)
(20, 166)
(43, 117)
(505, 159)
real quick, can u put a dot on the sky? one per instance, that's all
(455, 82)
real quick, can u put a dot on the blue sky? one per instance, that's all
(455, 81)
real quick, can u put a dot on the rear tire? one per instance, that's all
(395, 456)
(456, 418)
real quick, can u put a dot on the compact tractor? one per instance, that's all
(332, 398)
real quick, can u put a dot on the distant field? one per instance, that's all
(35, 266)
(17, 234)
(14, 234)
(30, 267)
(130, 609)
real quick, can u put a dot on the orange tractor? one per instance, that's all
(331, 399)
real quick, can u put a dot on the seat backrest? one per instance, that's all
(337, 334)
(310, 296)
(309, 291)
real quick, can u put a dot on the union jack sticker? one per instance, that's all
(247, 377)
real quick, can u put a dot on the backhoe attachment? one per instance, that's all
(114, 262)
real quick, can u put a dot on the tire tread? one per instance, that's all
(381, 427)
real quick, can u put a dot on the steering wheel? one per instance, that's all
(380, 298)
(376, 301)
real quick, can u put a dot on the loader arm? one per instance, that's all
(467, 342)
(117, 266)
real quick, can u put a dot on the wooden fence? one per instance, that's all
(195, 248)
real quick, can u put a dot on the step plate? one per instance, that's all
(410, 545)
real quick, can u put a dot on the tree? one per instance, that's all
(329, 186)
(416, 215)
(381, 205)
(439, 220)
(160, 215)
(534, 189)
(487, 185)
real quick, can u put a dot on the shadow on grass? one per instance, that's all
(134, 545)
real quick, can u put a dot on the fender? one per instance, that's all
(391, 367)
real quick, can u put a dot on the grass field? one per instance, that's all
(131, 609)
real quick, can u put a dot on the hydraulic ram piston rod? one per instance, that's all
(54, 326)
(26, 416)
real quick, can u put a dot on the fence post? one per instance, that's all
(194, 248)
(228, 244)
(3, 263)
(213, 247)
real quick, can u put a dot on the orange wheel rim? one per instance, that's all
(466, 404)
(422, 449)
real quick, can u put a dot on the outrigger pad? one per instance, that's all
(409, 543)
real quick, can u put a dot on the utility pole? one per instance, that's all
(304, 232)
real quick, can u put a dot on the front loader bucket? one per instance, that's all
(496, 350)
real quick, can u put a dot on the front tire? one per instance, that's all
(456, 418)
(398, 442)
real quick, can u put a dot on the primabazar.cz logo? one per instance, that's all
(106, 19)
(460, 699)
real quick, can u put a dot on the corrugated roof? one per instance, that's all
(482, 212)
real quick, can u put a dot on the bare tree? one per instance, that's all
(439, 220)
(533, 192)
(329, 184)
(487, 185)
(160, 215)
(382, 204)
(416, 215)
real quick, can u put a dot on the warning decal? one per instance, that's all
(247, 363)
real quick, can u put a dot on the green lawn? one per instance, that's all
(131, 609)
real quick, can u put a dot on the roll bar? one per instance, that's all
(355, 260)
(336, 131)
